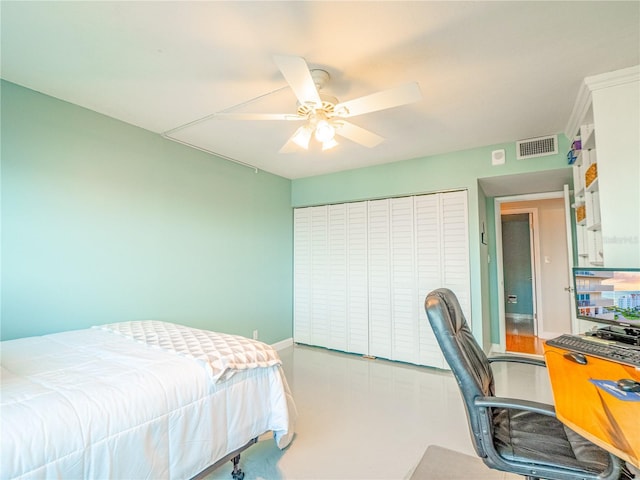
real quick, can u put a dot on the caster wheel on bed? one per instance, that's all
(238, 475)
(237, 472)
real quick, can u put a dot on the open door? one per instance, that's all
(570, 287)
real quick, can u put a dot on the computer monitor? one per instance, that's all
(608, 295)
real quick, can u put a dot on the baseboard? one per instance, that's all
(519, 317)
(282, 344)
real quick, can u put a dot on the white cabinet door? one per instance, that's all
(302, 275)
(379, 279)
(404, 309)
(319, 276)
(358, 282)
(337, 287)
(428, 260)
(455, 248)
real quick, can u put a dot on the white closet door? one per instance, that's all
(379, 279)
(337, 288)
(404, 309)
(455, 248)
(362, 271)
(357, 283)
(319, 276)
(428, 260)
(302, 275)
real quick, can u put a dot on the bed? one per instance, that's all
(141, 399)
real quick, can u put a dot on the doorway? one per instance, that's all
(519, 273)
(549, 255)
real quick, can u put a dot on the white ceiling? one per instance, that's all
(489, 72)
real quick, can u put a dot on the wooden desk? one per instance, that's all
(597, 415)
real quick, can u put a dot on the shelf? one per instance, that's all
(589, 230)
(597, 264)
(588, 137)
(578, 161)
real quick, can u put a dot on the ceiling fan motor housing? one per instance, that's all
(328, 105)
(320, 79)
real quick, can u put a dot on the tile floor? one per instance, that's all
(373, 419)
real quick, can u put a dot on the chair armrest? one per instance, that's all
(518, 359)
(516, 403)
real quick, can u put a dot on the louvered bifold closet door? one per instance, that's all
(331, 298)
(337, 288)
(362, 271)
(357, 275)
(429, 271)
(319, 276)
(455, 248)
(302, 275)
(404, 308)
(379, 230)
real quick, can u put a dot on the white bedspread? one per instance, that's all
(94, 404)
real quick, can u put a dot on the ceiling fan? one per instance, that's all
(323, 115)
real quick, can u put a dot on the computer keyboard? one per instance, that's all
(597, 347)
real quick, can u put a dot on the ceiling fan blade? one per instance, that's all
(259, 116)
(296, 73)
(393, 97)
(358, 134)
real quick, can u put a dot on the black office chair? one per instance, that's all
(512, 435)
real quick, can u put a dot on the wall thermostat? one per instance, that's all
(497, 157)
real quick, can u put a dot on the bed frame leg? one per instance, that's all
(237, 472)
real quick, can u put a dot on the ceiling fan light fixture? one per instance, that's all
(324, 131)
(302, 137)
(329, 144)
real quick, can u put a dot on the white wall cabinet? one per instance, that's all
(587, 198)
(362, 271)
(606, 116)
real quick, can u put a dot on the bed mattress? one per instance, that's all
(95, 403)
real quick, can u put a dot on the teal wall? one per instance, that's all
(106, 222)
(485, 272)
(492, 273)
(103, 221)
(454, 170)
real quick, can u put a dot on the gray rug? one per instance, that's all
(437, 463)
(440, 463)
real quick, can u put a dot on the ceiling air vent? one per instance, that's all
(537, 147)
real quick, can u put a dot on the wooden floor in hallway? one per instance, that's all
(525, 344)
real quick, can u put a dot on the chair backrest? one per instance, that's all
(466, 359)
